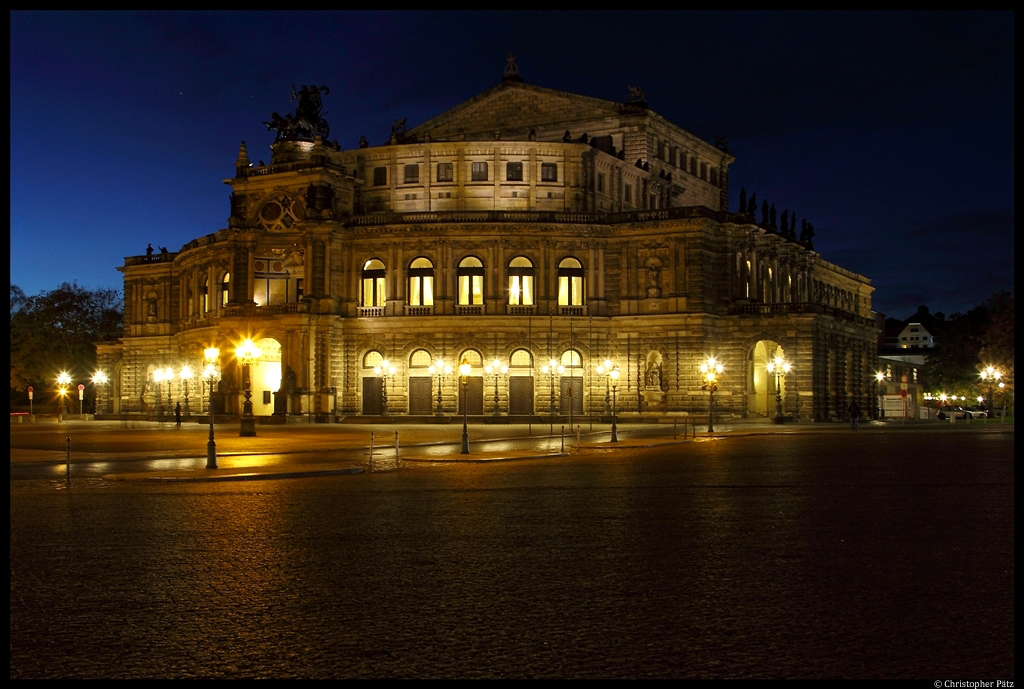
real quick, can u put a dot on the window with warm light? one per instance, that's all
(225, 289)
(471, 281)
(373, 283)
(570, 282)
(421, 282)
(520, 281)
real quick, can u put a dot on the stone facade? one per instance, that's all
(525, 225)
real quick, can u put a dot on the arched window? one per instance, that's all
(419, 359)
(472, 357)
(421, 283)
(373, 283)
(570, 282)
(471, 281)
(225, 289)
(520, 358)
(520, 281)
(571, 359)
(372, 358)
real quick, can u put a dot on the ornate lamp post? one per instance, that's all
(549, 369)
(605, 369)
(992, 375)
(441, 369)
(464, 369)
(186, 374)
(158, 377)
(211, 374)
(248, 353)
(63, 381)
(383, 370)
(614, 376)
(498, 369)
(99, 378)
(710, 371)
(780, 367)
(169, 377)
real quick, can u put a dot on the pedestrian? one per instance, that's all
(177, 414)
(854, 415)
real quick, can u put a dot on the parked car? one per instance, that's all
(956, 412)
(976, 413)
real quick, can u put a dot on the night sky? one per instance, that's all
(891, 132)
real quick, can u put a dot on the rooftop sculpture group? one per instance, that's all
(307, 122)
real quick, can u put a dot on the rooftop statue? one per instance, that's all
(307, 122)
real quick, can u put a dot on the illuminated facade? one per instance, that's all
(524, 225)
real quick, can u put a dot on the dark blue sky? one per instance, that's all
(891, 132)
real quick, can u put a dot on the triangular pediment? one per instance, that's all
(515, 106)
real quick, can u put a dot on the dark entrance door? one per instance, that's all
(520, 396)
(571, 387)
(474, 391)
(419, 396)
(373, 401)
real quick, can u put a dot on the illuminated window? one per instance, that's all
(412, 174)
(225, 289)
(204, 296)
(571, 359)
(420, 359)
(514, 172)
(444, 172)
(479, 172)
(548, 172)
(520, 281)
(373, 283)
(421, 283)
(520, 358)
(471, 281)
(267, 291)
(372, 358)
(570, 282)
(380, 176)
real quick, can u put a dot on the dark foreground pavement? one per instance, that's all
(800, 554)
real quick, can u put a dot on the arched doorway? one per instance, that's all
(266, 378)
(761, 383)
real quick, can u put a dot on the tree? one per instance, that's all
(969, 342)
(56, 331)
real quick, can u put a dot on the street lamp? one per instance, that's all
(614, 376)
(780, 367)
(248, 353)
(549, 368)
(498, 369)
(158, 376)
(710, 370)
(605, 369)
(186, 375)
(441, 369)
(464, 369)
(63, 380)
(879, 377)
(99, 378)
(383, 370)
(212, 374)
(992, 375)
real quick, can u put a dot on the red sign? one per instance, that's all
(903, 393)
(30, 388)
(81, 387)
